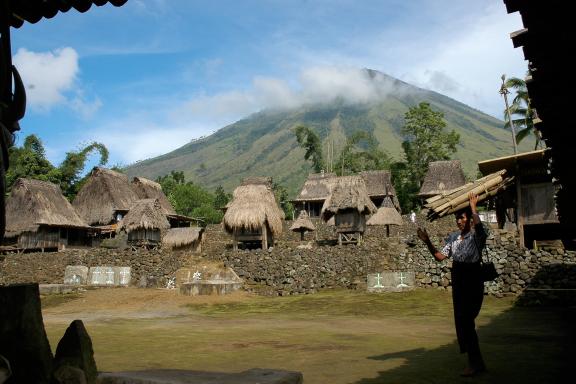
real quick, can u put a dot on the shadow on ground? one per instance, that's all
(516, 346)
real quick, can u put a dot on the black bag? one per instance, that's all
(488, 271)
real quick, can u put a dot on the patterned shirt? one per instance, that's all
(467, 248)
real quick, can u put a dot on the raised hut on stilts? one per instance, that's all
(349, 203)
(253, 216)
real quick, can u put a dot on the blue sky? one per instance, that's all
(150, 76)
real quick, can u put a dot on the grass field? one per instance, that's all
(331, 337)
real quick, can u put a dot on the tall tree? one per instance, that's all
(73, 165)
(425, 140)
(522, 111)
(310, 141)
(362, 153)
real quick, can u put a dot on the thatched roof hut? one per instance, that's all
(33, 203)
(379, 185)
(302, 223)
(183, 237)
(316, 187)
(252, 207)
(148, 189)
(386, 214)
(442, 176)
(144, 214)
(348, 193)
(105, 193)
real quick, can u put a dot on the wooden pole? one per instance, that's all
(264, 237)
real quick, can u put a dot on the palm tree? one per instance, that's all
(522, 111)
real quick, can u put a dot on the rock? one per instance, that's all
(67, 374)
(23, 340)
(75, 350)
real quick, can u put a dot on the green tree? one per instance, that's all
(72, 166)
(29, 161)
(310, 141)
(522, 113)
(281, 195)
(425, 140)
(221, 198)
(189, 199)
(361, 153)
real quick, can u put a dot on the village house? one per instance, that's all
(349, 204)
(317, 186)
(38, 216)
(442, 176)
(253, 215)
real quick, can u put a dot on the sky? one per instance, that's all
(150, 76)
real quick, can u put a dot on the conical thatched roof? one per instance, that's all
(34, 202)
(178, 237)
(348, 192)
(303, 223)
(442, 176)
(148, 189)
(144, 214)
(251, 207)
(105, 192)
(386, 214)
(316, 187)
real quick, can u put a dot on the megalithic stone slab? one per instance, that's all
(391, 281)
(101, 276)
(76, 275)
(122, 276)
(75, 350)
(23, 340)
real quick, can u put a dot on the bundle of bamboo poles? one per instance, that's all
(457, 199)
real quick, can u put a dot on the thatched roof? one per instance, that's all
(378, 183)
(442, 176)
(302, 223)
(144, 214)
(386, 214)
(178, 237)
(348, 192)
(251, 207)
(316, 187)
(104, 193)
(148, 189)
(34, 202)
(257, 180)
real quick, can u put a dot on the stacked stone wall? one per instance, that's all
(295, 267)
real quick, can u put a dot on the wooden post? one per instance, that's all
(519, 210)
(264, 237)
(387, 230)
(301, 235)
(235, 240)
(339, 239)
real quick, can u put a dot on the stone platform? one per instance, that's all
(209, 288)
(176, 376)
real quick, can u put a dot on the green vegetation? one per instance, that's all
(265, 144)
(192, 200)
(522, 111)
(30, 161)
(424, 141)
(338, 337)
(309, 140)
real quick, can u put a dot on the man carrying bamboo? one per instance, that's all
(465, 248)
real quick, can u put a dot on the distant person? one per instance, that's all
(465, 248)
(413, 217)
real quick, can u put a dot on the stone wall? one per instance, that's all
(294, 267)
(49, 267)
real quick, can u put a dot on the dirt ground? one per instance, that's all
(331, 337)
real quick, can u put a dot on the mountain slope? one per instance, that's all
(264, 144)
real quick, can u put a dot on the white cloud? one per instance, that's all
(47, 75)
